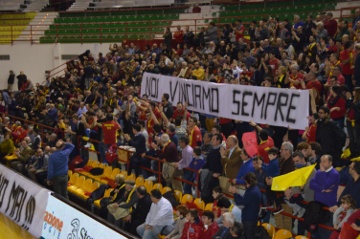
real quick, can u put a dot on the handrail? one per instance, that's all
(127, 9)
(179, 179)
(51, 75)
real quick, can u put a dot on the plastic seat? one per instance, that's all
(157, 186)
(70, 173)
(85, 187)
(106, 194)
(79, 182)
(187, 198)
(199, 203)
(283, 234)
(115, 172)
(165, 190)
(73, 179)
(108, 171)
(270, 229)
(139, 181)
(178, 195)
(131, 177)
(148, 185)
(301, 237)
(209, 206)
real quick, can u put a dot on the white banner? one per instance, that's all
(62, 221)
(22, 201)
(265, 105)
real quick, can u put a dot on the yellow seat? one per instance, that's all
(73, 178)
(209, 206)
(186, 198)
(79, 182)
(85, 187)
(178, 195)
(270, 229)
(106, 194)
(157, 186)
(107, 172)
(139, 181)
(94, 186)
(101, 165)
(283, 234)
(115, 172)
(199, 203)
(165, 190)
(131, 177)
(95, 164)
(148, 185)
(301, 237)
(70, 173)
(123, 172)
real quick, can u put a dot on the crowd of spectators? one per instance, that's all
(99, 98)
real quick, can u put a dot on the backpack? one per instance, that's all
(314, 215)
(261, 233)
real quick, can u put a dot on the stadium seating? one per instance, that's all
(12, 25)
(178, 195)
(109, 26)
(270, 229)
(199, 203)
(209, 207)
(301, 237)
(186, 198)
(283, 234)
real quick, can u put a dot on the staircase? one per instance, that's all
(206, 15)
(34, 5)
(80, 5)
(37, 26)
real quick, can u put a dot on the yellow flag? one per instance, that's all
(295, 178)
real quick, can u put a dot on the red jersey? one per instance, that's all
(211, 231)
(179, 37)
(178, 113)
(311, 134)
(274, 63)
(346, 69)
(239, 35)
(192, 231)
(298, 77)
(264, 147)
(195, 137)
(109, 130)
(314, 84)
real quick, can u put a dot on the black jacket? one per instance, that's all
(139, 143)
(331, 138)
(142, 209)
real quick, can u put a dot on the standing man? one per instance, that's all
(167, 106)
(250, 203)
(109, 129)
(139, 143)
(58, 167)
(213, 164)
(22, 78)
(357, 65)
(330, 136)
(159, 219)
(231, 159)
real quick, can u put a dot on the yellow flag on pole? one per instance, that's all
(295, 178)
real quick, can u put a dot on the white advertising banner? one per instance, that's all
(23, 201)
(62, 221)
(265, 105)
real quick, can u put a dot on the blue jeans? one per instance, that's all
(189, 176)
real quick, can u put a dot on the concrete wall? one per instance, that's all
(35, 59)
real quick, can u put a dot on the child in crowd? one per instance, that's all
(217, 194)
(193, 229)
(181, 212)
(347, 206)
(273, 170)
(197, 163)
(210, 226)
